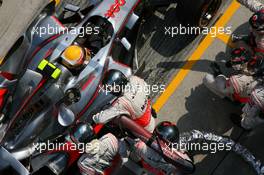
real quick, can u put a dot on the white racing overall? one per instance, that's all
(237, 87)
(253, 111)
(134, 103)
(101, 153)
(253, 5)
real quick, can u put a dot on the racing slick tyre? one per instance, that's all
(197, 12)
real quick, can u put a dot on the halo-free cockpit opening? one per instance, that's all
(94, 35)
(98, 32)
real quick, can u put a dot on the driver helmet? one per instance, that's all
(74, 56)
(167, 132)
(114, 82)
(257, 21)
(82, 133)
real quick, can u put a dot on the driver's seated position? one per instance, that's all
(132, 100)
(75, 57)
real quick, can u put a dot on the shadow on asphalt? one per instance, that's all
(205, 112)
(162, 43)
(204, 64)
(209, 113)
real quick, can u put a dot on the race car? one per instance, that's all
(43, 91)
(35, 78)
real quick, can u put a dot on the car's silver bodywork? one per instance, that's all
(24, 88)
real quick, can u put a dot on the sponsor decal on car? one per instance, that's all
(115, 8)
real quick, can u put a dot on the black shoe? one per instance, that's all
(216, 69)
(236, 38)
(236, 119)
(154, 113)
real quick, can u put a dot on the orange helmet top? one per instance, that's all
(73, 56)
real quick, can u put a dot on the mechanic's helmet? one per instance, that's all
(257, 21)
(167, 132)
(240, 56)
(74, 56)
(114, 82)
(82, 133)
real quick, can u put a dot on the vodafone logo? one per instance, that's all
(115, 8)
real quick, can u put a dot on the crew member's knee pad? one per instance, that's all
(151, 126)
(216, 84)
(208, 79)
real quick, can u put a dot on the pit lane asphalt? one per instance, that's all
(15, 15)
(192, 106)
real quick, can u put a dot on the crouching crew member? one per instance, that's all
(132, 100)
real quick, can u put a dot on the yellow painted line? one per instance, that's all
(197, 54)
(56, 1)
(1, 60)
(226, 39)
